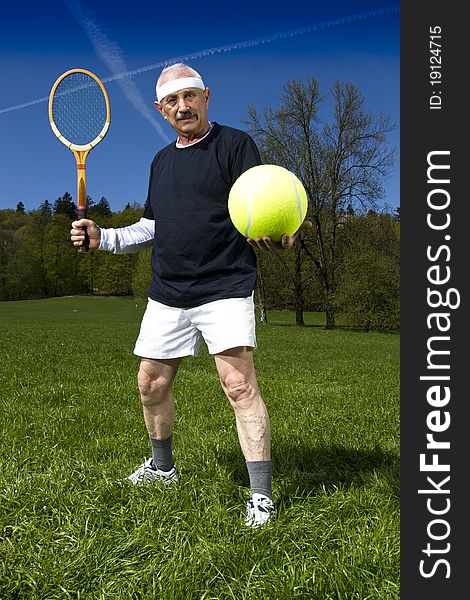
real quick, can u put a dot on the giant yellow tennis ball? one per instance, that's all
(267, 200)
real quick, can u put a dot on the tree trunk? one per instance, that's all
(330, 316)
(299, 315)
(298, 289)
(263, 317)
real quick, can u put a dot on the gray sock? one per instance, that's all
(261, 474)
(162, 453)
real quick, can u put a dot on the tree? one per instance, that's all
(20, 207)
(396, 220)
(8, 248)
(60, 258)
(342, 165)
(21, 274)
(31, 255)
(368, 290)
(45, 209)
(64, 205)
(284, 280)
(101, 210)
(260, 297)
(142, 274)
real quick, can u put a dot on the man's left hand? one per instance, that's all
(287, 241)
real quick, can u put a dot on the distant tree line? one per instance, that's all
(346, 265)
(37, 259)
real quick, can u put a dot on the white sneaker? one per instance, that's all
(147, 473)
(259, 511)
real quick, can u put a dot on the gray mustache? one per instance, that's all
(185, 115)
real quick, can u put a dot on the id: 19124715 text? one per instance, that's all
(435, 67)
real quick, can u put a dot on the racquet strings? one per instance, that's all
(79, 108)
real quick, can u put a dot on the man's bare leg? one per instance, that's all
(155, 380)
(238, 378)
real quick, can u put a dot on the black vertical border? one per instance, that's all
(424, 130)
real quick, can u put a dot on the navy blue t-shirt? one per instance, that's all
(198, 255)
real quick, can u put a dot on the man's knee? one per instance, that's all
(239, 389)
(153, 386)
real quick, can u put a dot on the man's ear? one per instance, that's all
(159, 107)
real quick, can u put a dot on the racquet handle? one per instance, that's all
(85, 245)
(81, 204)
(81, 214)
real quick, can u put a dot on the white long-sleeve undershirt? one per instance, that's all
(127, 240)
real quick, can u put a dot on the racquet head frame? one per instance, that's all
(72, 146)
(80, 151)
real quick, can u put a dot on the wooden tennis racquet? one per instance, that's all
(79, 115)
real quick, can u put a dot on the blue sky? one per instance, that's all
(41, 40)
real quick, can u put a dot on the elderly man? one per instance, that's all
(204, 275)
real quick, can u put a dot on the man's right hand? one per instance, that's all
(81, 229)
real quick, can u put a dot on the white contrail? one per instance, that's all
(231, 47)
(112, 56)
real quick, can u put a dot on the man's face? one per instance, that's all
(186, 111)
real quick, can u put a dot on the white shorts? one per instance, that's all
(168, 332)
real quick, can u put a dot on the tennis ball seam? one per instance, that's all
(249, 207)
(299, 201)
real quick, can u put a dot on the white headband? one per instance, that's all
(175, 85)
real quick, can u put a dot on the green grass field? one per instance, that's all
(71, 425)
